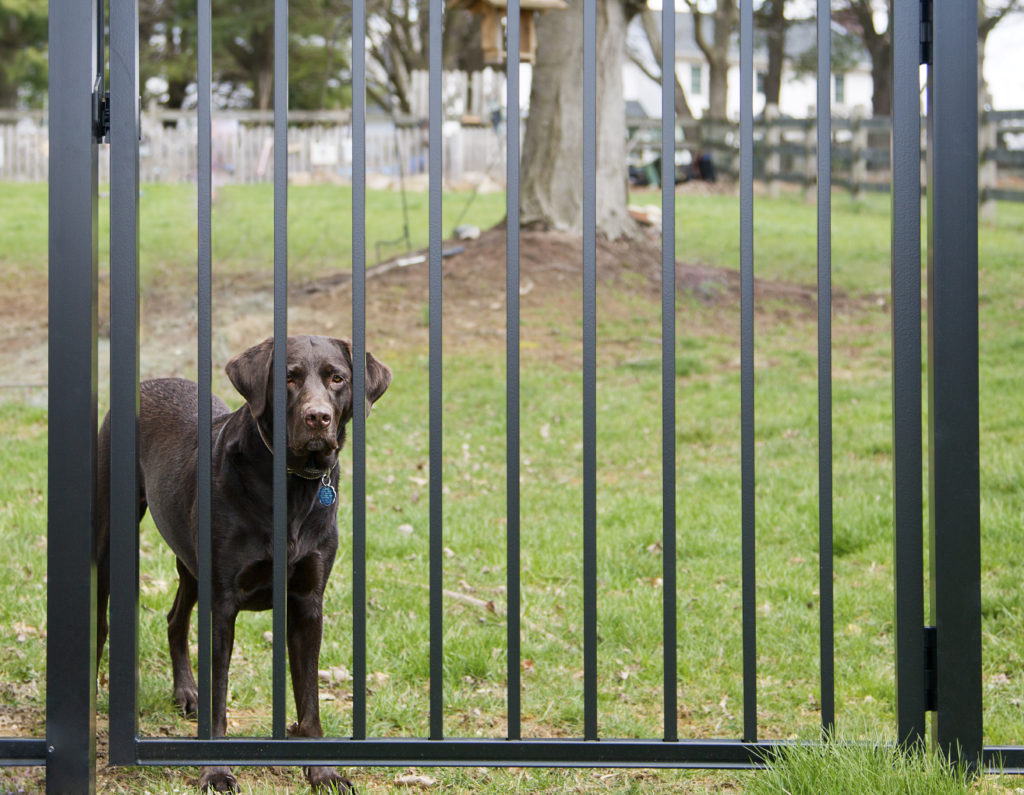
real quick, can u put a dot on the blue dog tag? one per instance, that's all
(327, 495)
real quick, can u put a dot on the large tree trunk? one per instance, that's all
(552, 164)
(771, 18)
(718, 88)
(881, 78)
(988, 17)
(8, 92)
(858, 16)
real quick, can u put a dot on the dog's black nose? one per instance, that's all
(317, 418)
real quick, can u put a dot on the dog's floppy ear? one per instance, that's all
(249, 371)
(378, 379)
(378, 374)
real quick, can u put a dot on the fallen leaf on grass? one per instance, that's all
(338, 673)
(417, 780)
(23, 631)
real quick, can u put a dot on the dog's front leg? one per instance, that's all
(305, 631)
(219, 778)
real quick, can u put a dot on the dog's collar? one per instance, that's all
(319, 474)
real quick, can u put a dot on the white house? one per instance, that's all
(850, 90)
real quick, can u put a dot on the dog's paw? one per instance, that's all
(328, 780)
(187, 699)
(217, 779)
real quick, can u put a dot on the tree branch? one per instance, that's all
(987, 22)
(698, 30)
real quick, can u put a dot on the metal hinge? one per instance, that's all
(100, 113)
(931, 688)
(926, 31)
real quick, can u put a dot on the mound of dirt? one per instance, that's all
(397, 306)
(550, 279)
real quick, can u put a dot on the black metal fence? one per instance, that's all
(938, 668)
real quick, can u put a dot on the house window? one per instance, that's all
(840, 89)
(760, 82)
(696, 79)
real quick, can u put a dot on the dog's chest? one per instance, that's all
(307, 551)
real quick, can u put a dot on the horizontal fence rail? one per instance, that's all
(69, 748)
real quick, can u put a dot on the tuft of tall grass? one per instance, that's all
(835, 766)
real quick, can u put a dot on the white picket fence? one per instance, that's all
(319, 148)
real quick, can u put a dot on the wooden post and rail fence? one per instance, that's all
(320, 150)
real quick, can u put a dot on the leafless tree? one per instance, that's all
(990, 14)
(398, 44)
(714, 44)
(652, 32)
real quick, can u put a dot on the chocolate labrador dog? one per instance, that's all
(319, 404)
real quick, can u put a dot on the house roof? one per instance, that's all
(634, 110)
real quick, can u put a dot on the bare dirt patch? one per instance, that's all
(397, 308)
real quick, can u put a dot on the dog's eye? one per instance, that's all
(338, 379)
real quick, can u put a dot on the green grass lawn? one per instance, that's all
(629, 501)
(319, 226)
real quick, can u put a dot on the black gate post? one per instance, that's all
(908, 536)
(124, 379)
(953, 377)
(71, 562)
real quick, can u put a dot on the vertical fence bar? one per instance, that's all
(908, 547)
(512, 562)
(668, 368)
(953, 378)
(436, 383)
(204, 56)
(100, 32)
(71, 462)
(590, 369)
(824, 112)
(359, 369)
(124, 379)
(280, 573)
(749, 570)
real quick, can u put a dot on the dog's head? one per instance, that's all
(320, 391)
